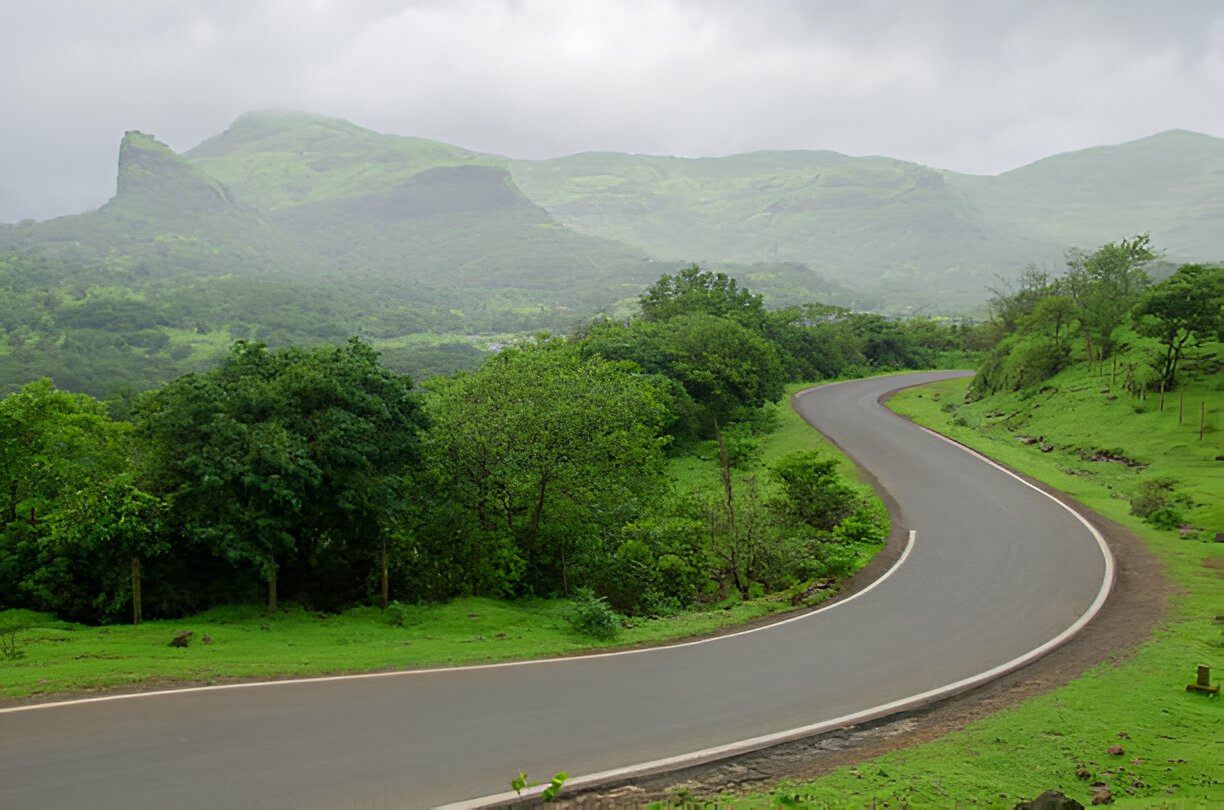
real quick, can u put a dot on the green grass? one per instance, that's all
(58, 656)
(1172, 745)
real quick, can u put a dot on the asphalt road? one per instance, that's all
(996, 571)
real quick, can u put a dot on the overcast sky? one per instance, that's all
(958, 84)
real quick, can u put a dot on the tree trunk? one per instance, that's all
(137, 616)
(725, 468)
(533, 526)
(383, 581)
(272, 588)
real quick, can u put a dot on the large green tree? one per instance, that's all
(54, 446)
(1105, 286)
(289, 460)
(1182, 312)
(548, 453)
(694, 290)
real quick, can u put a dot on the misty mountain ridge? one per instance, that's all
(298, 228)
(426, 227)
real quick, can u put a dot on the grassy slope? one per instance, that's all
(1174, 749)
(64, 657)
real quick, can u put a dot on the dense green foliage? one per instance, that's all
(1104, 302)
(322, 476)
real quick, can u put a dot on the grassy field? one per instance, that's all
(49, 656)
(1169, 747)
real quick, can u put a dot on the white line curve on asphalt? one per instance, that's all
(873, 713)
(905, 554)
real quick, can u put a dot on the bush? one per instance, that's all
(1167, 518)
(868, 524)
(837, 560)
(591, 616)
(1154, 495)
(400, 615)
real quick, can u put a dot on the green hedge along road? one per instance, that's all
(998, 573)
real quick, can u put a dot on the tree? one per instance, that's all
(1183, 311)
(115, 523)
(53, 444)
(547, 449)
(291, 459)
(1011, 303)
(1053, 315)
(813, 493)
(694, 290)
(1105, 286)
(726, 368)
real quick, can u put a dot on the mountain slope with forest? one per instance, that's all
(297, 228)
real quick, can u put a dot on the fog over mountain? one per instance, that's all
(971, 87)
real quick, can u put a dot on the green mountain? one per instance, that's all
(910, 235)
(167, 218)
(1171, 184)
(291, 227)
(195, 251)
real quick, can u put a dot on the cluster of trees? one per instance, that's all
(322, 476)
(1039, 324)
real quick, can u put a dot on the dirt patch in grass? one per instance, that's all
(1134, 610)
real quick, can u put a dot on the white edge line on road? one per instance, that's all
(909, 547)
(740, 746)
(875, 712)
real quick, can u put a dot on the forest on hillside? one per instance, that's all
(322, 476)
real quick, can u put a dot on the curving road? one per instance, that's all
(997, 570)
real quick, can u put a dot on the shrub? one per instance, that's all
(1167, 518)
(837, 560)
(868, 524)
(1154, 495)
(679, 581)
(591, 616)
(400, 615)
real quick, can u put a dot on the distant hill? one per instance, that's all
(292, 227)
(1171, 184)
(909, 235)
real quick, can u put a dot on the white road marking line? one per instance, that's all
(909, 546)
(875, 712)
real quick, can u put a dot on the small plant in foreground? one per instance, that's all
(10, 644)
(398, 614)
(591, 615)
(1158, 502)
(549, 793)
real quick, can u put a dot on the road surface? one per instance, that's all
(997, 570)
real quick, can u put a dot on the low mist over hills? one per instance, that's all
(909, 235)
(291, 227)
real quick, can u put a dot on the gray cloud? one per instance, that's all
(971, 86)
